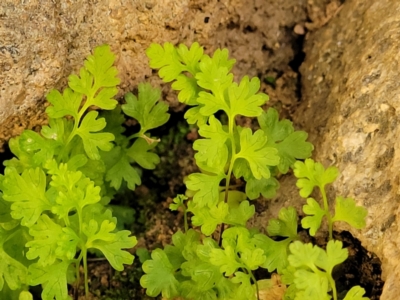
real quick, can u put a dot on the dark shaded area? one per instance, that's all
(361, 268)
(5, 155)
(296, 62)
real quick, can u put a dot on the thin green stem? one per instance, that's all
(330, 279)
(228, 179)
(333, 285)
(85, 270)
(73, 133)
(316, 270)
(185, 218)
(82, 255)
(231, 125)
(77, 273)
(135, 135)
(81, 112)
(77, 119)
(79, 211)
(256, 284)
(77, 265)
(327, 212)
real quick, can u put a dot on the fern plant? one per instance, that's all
(56, 190)
(55, 193)
(217, 257)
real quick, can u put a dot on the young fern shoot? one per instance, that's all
(312, 174)
(55, 192)
(225, 151)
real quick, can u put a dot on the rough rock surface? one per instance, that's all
(42, 42)
(350, 107)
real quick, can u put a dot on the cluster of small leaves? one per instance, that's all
(310, 272)
(196, 268)
(200, 267)
(312, 174)
(206, 83)
(305, 268)
(226, 150)
(54, 193)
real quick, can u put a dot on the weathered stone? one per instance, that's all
(351, 104)
(42, 42)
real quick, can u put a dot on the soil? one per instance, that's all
(155, 224)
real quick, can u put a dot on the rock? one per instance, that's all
(350, 107)
(42, 42)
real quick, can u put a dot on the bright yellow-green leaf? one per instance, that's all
(291, 144)
(347, 211)
(27, 192)
(91, 138)
(159, 277)
(253, 148)
(146, 108)
(311, 174)
(206, 188)
(314, 216)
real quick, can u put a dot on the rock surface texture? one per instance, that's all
(42, 42)
(351, 109)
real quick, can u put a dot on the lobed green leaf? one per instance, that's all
(188, 89)
(46, 237)
(91, 138)
(276, 252)
(245, 291)
(347, 211)
(53, 278)
(166, 59)
(311, 174)
(159, 277)
(356, 293)
(253, 149)
(100, 65)
(12, 271)
(206, 188)
(110, 243)
(314, 216)
(190, 57)
(209, 217)
(291, 144)
(334, 255)
(140, 153)
(214, 75)
(27, 192)
(74, 190)
(238, 238)
(67, 104)
(226, 259)
(267, 187)
(311, 285)
(146, 108)
(253, 258)
(244, 100)
(240, 214)
(285, 225)
(303, 255)
(119, 169)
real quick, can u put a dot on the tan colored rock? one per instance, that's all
(351, 108)
(42, 42)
